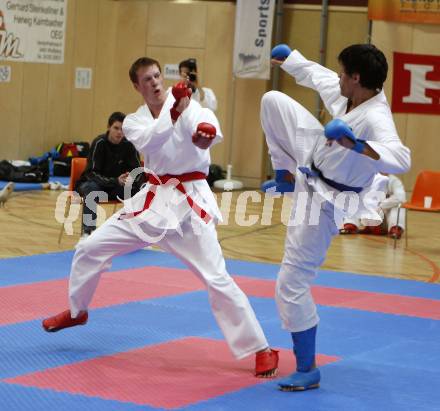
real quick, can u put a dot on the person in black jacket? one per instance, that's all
(110, 160)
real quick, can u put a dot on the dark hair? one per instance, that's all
(366, 60)
(141, 62)
(190, 64)
(114, 117)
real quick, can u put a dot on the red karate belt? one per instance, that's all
(181, 178)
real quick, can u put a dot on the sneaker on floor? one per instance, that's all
(5, 192)
(55, 185)
(64, 320)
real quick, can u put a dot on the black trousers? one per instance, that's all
(85, 190)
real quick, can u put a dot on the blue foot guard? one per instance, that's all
(284, 182)
(306, 376)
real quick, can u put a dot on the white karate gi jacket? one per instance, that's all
(371, 121)
(168, 149)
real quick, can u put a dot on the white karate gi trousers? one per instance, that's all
(391, 217)
(291, 134)
(201, 253)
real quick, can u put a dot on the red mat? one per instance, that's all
(168, 375)
(28, 302)
(31, 301)
(360, 300)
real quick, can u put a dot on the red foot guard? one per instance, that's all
(266, 364)
(350, 229)
(64, 320)
(396, 232)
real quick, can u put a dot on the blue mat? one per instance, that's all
(389, 362)
(52, 266)
(36, 186)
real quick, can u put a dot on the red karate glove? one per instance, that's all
(179, 90)
(204, 136)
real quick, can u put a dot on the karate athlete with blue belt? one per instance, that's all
(328, 164)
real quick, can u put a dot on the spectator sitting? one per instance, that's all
(110, 160)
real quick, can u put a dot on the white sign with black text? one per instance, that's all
(171, 72)
(83, 77)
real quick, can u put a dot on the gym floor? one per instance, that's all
(152, 343)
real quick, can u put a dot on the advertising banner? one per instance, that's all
(416, 84)
(405, 11)
(32, 30)
(253, 38)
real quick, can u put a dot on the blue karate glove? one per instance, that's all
(281, 52)
(337, 128)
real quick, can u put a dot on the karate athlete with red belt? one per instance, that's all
(176, 210)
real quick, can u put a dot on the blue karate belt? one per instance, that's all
(315, 172)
